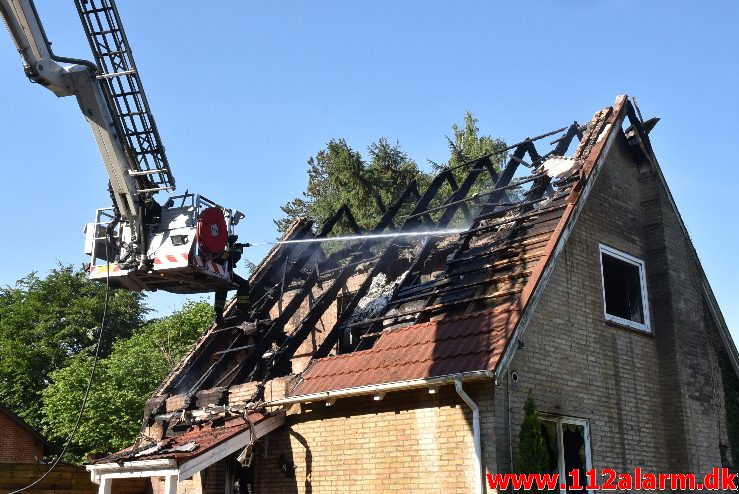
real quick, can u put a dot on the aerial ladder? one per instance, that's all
(186, 245)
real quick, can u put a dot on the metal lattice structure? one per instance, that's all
(126, 98)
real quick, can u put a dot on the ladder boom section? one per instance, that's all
(110, 96)
(122, 85)
(92, 100)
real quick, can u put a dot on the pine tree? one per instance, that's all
(532, 451)
(339, 174)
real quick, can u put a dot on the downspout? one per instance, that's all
(475, 431)
(510, 422)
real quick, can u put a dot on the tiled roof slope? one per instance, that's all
(452, 346)
(476, 342)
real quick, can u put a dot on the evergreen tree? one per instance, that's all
(339, 175)
(532, 451)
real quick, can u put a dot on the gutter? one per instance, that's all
(382, 388)
(136, 468)
(475, 432)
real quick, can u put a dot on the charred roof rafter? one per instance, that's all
(423, 210)
(247, 369)
(303, 267)
(208, 379)
(541, 185)
(420, 213)
(303, 254)
(452, 204)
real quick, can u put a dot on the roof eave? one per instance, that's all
(427, 382)
(185, 468)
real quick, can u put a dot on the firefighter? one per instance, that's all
(242, 293)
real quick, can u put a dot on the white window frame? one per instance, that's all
(622, 256)
(559, 420)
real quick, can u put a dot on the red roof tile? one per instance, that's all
(451, 346)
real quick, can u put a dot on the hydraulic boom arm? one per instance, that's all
(81, 80)
(186, 245)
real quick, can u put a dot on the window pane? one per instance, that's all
(622, 286)
(573, 444)
(549, 431)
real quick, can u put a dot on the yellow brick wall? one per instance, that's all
(653, 400)
(409, 442)
(193, 485)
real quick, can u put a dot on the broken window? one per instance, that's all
(624, 289)
(568, 443)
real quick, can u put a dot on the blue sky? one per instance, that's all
(244, 93)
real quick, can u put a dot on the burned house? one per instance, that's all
(401, 363)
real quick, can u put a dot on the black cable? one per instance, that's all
(58, 459)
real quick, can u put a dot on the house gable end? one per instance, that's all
(579, 364)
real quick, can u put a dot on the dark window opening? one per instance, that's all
(566, 440)
(622, 286)
(573, 449)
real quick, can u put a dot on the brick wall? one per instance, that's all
(408, 442)
(193, 485)
(652, 400)
(17, 445)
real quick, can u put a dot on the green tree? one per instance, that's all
(124, 381)
(45, 322)
(339, 175)
(466, 145)
(532, 451)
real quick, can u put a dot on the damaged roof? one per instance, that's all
(498, 263)
(452, 346)
(385, 309)
(191, 442)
